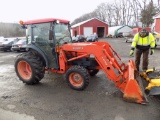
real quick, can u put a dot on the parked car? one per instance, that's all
(74, 39)
(92, 38)
(19, 46)
(119, 35)
(109, 36)
(2, 40)
(79, 38)
(6, 44)
(128, 39)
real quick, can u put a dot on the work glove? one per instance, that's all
(152, 51)
(131, 52)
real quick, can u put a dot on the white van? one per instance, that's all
(157, 38)
(1, 38)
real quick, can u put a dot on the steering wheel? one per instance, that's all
(62, 40)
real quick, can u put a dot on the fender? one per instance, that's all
(42, 55)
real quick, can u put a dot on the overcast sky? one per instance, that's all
(15, 10)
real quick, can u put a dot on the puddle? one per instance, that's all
(6, 68)
(1, 61)
(7, 115)
(9, 56)
(4, 85)
(118, 117)
(11, 106)
(9, 87)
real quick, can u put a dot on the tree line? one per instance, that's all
(124, 12)
(11, 30)
(118, 12)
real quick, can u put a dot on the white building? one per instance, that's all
(126, 30)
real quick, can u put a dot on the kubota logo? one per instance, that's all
(77, 48)
(104, 61)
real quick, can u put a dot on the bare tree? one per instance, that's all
(135, 7)
(101, 12)
(11, 30)
(109, 17)
(119, 12)
(85, 17)
(129, 12)
(126, 12)
(117, 15)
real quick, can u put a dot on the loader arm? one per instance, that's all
(123, 75)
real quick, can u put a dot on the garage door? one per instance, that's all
(88, 31)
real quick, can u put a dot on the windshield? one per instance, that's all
(62, 33)
(40, 32)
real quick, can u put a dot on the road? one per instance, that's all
(53, 99)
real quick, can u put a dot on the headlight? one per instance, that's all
(57, 21)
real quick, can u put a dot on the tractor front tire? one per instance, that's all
(29, 68)
(77, 77)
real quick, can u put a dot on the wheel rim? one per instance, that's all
(90, 71)
(24, 70)
(76, 79)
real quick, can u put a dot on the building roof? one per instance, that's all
(118, 27)
(157, 15)
(115, 29)
(83, 22)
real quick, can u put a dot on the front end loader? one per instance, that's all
(50, 48)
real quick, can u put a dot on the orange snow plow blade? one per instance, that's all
(133, 90)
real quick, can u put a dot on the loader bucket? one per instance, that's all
(133, 89)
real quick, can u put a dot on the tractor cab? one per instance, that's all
(45, 35)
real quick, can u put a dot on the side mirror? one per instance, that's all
(50, 34)
(24, 27)
(69, 26)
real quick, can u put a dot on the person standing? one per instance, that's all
(143, 42)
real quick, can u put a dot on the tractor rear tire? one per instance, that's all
(29, 68)
(93, 72)
(77, 77)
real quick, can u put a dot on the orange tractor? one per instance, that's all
(50, 48)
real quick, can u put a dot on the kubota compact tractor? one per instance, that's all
(50, 48)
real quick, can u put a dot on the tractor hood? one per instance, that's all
(80, 46)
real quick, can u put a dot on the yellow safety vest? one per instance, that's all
(146, 42)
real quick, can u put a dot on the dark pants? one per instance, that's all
(138, 58)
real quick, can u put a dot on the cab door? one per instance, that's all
(39, 35)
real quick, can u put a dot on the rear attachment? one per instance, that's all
(152, 77)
